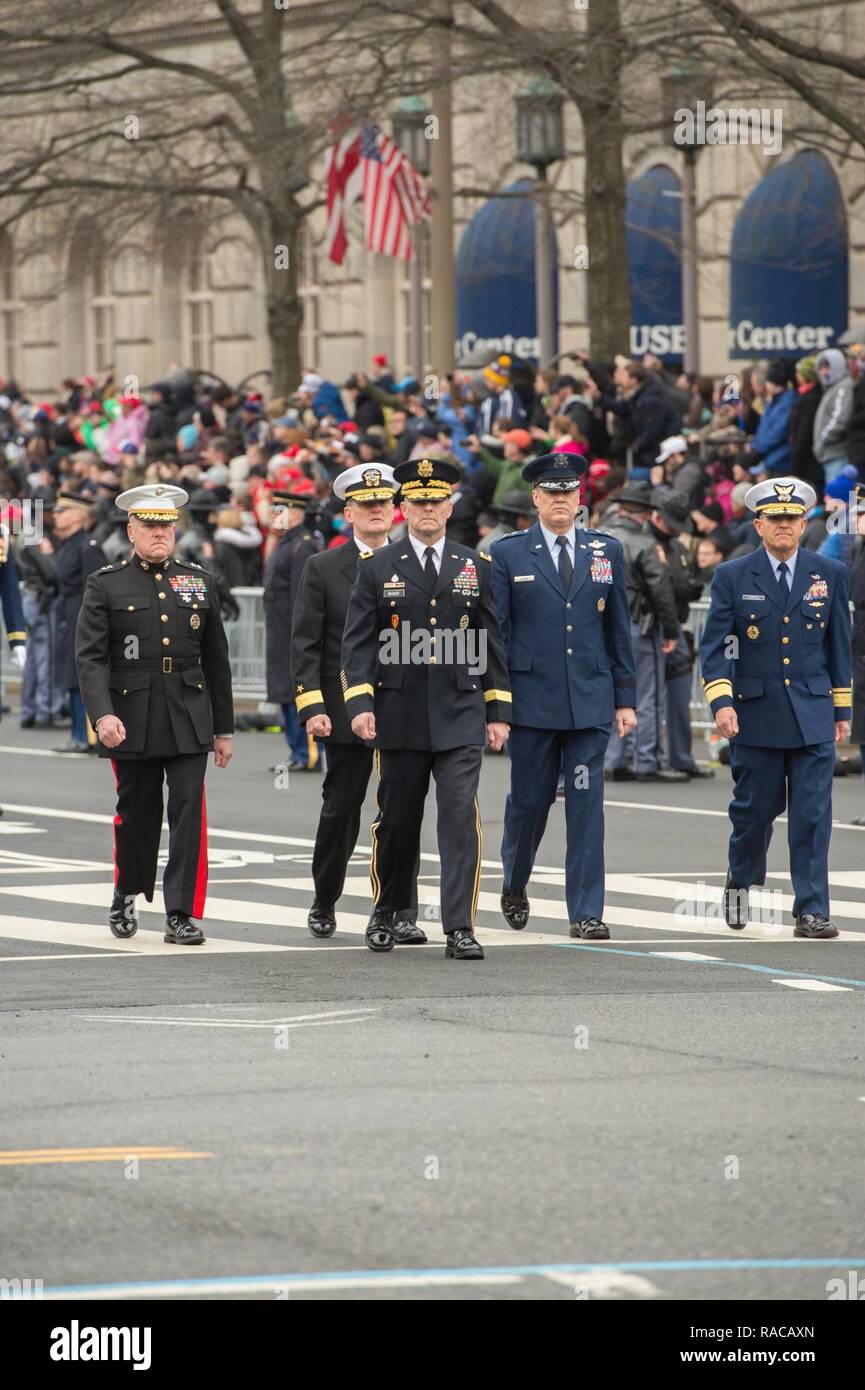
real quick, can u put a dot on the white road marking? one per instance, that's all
(818, 986)
(99, 938)
(15, 827)
(605, 1283)
(197, 1288)
(684, 955)
(224, 1023)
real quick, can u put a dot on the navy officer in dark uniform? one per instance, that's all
(368, 491)
(424, 677)
(777, 677)
(153, 665)
(10, 600)
(282, 576)
(562, 600)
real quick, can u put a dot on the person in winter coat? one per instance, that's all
(856, 564)
(832, 419)
(367, 411)
(770, 447)
(809, 390)
(127, 428)
(648, 408)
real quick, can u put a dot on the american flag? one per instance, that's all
(370, 166)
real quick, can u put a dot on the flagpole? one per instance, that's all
(443, 321)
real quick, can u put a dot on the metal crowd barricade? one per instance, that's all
(245, 635)
(701, 715)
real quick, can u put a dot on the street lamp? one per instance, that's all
(683, 87)
(409, 122)
(541, 142)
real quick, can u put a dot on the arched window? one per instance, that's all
(10, 312)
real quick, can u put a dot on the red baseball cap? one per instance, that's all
(521, 438)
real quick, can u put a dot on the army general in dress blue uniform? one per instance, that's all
(562, 602)
(777, 672)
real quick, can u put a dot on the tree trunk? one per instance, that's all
(599, 102)
(279, 242)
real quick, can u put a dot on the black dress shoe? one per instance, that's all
(814, 926)
(122, 917)
(858, 820)
(380, 935)
(590, 929)
(619, 774)
(408, 933)
(321, 920)
(180, 930)
(515, 908)
(28, 723)
(463, 945)
(735, 904)
(663, 774)
(697, 771)
(72, 746)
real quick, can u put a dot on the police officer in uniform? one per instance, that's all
(153, 663)
(281, 587)
(77, 557)
(777, 672)
(562, 600)
(424, 676)
(10, 598)
(319, 619)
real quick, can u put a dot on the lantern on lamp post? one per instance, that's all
(410, 133)
(541, 142)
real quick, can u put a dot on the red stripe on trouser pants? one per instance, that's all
(201, 872)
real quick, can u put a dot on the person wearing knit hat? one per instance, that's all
(777, 677)
(502, 401)
(153, 662)
(809, 390)
(770, 447)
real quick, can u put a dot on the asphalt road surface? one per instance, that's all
(678, 1113)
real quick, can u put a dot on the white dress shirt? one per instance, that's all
(420, 546)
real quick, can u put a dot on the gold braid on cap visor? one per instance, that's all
(782, 509)
(424, 490)
(371, 494)
(152, 514)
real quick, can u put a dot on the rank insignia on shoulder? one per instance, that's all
(299, 688)
(484, 556)
(365, 554)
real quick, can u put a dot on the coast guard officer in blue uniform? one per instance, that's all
(562, 602)
(777, 677)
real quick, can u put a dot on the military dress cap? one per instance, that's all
(781, 497)
(69, 501)
(285, 497)
(555, 472)
(426, 480)
(153, 501)
(366, 482)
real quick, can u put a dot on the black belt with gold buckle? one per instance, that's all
(165, 665)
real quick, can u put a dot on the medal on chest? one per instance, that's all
(602, 570)
(189, 588)
(466, 582)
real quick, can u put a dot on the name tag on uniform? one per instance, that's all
(524, 578)
(602, 570)
(754, 598)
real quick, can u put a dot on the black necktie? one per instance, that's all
(783, 582)
(566, 569)
(429, 568)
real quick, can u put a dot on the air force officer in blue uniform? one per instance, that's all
(777, 677)
(563, 607)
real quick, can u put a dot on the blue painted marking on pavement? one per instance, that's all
(373, 1275)
(726, 964)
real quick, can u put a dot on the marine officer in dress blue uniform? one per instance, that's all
(777, 677)
(562, 601)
